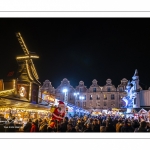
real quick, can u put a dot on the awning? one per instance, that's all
(7, 103)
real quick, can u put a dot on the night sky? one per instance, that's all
(79, 48)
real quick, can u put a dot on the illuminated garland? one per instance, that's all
(28, 71)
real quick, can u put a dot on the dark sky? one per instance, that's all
(80, 48)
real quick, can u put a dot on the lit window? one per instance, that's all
(98, 97)
(105, 97)
(90, 97)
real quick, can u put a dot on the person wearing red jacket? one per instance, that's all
(34, 127)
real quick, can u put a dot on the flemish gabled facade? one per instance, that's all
(95, 97)
(65, 83)
(83, 91)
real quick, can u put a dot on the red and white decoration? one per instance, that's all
(59, 112)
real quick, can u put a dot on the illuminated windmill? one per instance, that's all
(27, 74)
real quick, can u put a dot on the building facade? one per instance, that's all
(126, 95)
(93, 98)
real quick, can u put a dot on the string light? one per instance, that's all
(27, 57)
(28, 71)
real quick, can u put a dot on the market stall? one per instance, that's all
(22, 111)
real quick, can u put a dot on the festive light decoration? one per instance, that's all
(30, 91)
(28, 57)
(22, 91)
(27, 66)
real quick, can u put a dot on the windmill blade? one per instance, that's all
(29, 54)
(22, 43)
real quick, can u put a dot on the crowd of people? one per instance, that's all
(77, 124)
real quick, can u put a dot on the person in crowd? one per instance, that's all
(34, 127)
(110, 126)
(51, 126)
(119, 125)
(79, 124)
(77, 129)
(88, 128)
(148, 126)
(43, 126)
(135, 124)
(99, 122)
(39, 122)
(28, 126)
(102, 129)
(142, 127)
(63, 126)
(96, 127)
(103, 122)
(127, 127)
(70, 128)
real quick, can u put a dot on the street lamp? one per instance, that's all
(76, 94)
(65, 91)
(81, 98)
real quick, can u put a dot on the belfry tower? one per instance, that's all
(135, 90)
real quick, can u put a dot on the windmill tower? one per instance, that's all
(27, 81)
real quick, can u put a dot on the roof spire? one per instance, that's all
(136, 72)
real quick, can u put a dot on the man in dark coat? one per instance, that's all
(28, 126)
(96, 126)
(142, 127)
(109, 126)
(63, 126)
